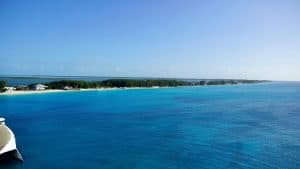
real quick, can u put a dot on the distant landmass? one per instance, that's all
(34, 79)
(49, 84)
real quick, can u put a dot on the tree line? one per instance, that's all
(119, 83)
(139, 83)
(2, 85)
(114, 83)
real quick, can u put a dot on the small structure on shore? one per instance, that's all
(39, 87)
(9, 89)
(8, 146)
(68, 88)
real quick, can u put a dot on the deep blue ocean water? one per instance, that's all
(215, 127)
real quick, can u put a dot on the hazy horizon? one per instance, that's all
(150, 77)
(168, 39)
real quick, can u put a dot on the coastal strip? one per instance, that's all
(21, 92)
(24, 92)
(111, 84)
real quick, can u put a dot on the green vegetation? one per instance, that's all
(222, 82)
(2, 85)
(201, 83)
(142, 83)
(114, 83)
(76, 84)
(22, 88)
(31, 86)
(73, 83)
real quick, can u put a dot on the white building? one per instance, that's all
(68, 88)
(39, 87)
(9, 89)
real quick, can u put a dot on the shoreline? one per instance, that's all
(25, 92)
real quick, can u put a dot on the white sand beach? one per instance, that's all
(22, 92)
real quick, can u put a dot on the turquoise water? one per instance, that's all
(242, 126)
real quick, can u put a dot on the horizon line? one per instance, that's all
(151, 77)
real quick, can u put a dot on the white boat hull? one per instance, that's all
(8, 142)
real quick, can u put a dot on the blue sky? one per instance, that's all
(252, 39)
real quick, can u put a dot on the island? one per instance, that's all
(75, 85)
